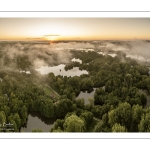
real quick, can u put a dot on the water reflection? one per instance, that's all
(59, 70)
(86, 95)
(36, 121)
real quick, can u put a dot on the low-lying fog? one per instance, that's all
(42, 55)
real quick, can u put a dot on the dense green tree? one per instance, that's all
(99, 97)
(144, 125)
(6, 109)
(118, 128)
(99, 111)
(105, 119)
(100, 127)
(62, 107)
(23, 114)
(57, 130)
(91, 101)
(2, 117)
(74, 124)
(119, 101)
(87, 84)
(58, 125)
(15, 127)
(88, 117)
(17, 120)
(137, 112)
(74, 82)
(121, 115)
(80, 102)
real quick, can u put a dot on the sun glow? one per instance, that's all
(52, 29)
(51, 38)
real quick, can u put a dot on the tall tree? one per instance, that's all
(144, 125)
(2, 117)
(74, 124)
(118, 128)
(121, 115)
(137, 112)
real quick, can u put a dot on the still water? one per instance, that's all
(86, 95)
(36, 121)
(59, 70)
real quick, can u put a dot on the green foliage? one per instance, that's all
(118, 128)
(57, 130)
(74, 124)
(23, 114)
(86, 84)
(80, 102)
(100, 127)
(58, 126)
(17, 120)
(87, 117)
(137, 112)
(144, 125)
(2, 117)
(99, 96)
(121, 115)
(99, 111)
(14, 126)
(118, 103)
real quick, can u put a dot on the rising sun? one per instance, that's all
(51, 37)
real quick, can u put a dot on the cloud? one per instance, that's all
(137, 49)
(75, 38)
(44, 54)
(38, 54)
(43, 37)
(140, 48)
(38, 38)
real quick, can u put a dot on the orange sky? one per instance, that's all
(74, 28)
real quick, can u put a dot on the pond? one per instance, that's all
(59, 70)
(86, 95)
(36, 121)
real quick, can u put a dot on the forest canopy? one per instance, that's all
(119, 103)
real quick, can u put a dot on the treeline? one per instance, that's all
(18, 97)
(118, 105)
(119, 100)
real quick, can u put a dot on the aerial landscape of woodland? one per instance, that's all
(74, 75)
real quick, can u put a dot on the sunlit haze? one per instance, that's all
(74, 29)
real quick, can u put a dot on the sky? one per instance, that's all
(51, 29)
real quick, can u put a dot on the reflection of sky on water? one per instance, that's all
(35, 122)
(86, 96)
(59, 70)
